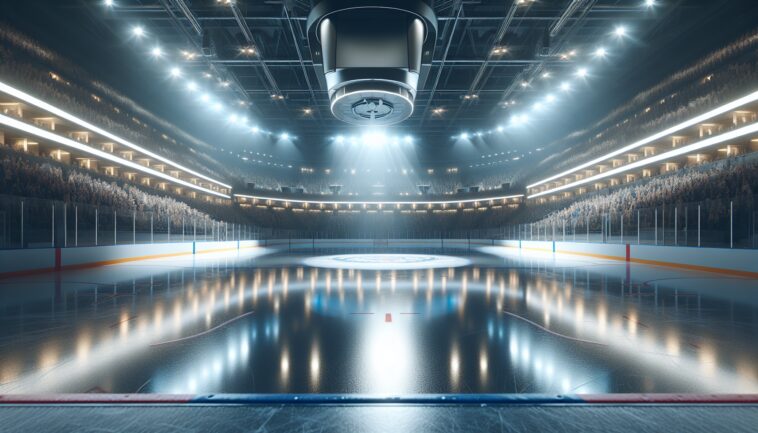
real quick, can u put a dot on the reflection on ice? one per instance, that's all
(256, 329)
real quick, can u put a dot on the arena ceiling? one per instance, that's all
(485, 50)
(493, 60)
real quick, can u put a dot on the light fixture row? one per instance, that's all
(565, 86)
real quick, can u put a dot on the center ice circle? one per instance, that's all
(385, 261)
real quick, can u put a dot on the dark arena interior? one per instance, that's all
(378, 215)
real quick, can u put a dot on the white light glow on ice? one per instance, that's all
(381, 262)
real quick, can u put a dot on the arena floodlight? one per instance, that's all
(619, 31)
(175, 72)
(255, 130)
(582, 72)
(192, 86)
(374, 139)
(550, 98)
(156, 52)
(29, 99)
(408, 139)
(708, 142)
(464, 135)
(284, 136)
(600, 52)
(565, 86)
(47, 135)
(520, 119)
(649, 3)
(138, 31)
(339, 139)
(752, 97)
(217, 106)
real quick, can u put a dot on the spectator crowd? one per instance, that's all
(26, 176)
(714, 185)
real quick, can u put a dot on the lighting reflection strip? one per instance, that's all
(686, 124)
(483, 199)
(746, 130)
(71, 118)
(16, 124)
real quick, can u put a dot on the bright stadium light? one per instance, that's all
(550, 98)
(284, 136)
(217, 106)
(138, 31)
(255, 130)
(500, 128)
(205, 97)
(600, 52)
(175, 72)
(649, 3)
(192, 86)
(233, 118)
(519, 119)
(464, 135)
(620, 31)
(374, 139)
(565, 86)
(156, 52)
(339, 139)
(408, 139)
(581, 72)
(109, 3)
